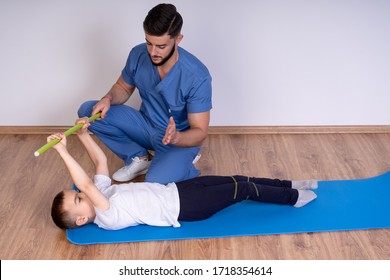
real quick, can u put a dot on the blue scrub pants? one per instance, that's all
(128, 133)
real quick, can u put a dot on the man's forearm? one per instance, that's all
(120, 92)
(190, 138)
(117, 95)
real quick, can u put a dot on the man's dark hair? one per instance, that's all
(60, 217)
(163, 19)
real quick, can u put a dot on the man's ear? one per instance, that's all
(81, 220)
(178, 39)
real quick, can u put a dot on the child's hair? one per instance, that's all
(60, 217)
(163, 19)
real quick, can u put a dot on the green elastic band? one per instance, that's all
(235, 187)
(257, 190)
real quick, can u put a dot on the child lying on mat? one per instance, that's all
(118, 206)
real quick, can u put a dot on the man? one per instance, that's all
(175, 89)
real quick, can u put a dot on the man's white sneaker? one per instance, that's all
(304, 197)
(129, 172)
(196, 159)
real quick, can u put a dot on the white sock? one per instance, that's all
(304, 197)
(304, 184)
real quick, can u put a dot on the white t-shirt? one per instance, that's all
(132, 204)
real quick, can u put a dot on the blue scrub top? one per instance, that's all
(186, 88)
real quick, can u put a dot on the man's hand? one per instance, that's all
(191, 137)
(102, 106)
(171, 133)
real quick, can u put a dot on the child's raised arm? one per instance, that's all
(94, 151)
(79, 176)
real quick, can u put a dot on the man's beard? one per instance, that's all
(165, 59)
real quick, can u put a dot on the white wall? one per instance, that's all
(273, 62)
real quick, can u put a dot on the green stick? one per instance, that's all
(67, 133)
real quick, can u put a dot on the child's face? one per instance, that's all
(78, 204)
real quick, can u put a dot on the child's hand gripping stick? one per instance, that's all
(67, 133)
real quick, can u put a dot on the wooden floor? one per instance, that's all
(28, 184)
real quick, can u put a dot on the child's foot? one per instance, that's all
(305, 184)
(304, 197)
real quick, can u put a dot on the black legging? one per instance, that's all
(202, 197)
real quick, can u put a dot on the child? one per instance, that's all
(115, 207)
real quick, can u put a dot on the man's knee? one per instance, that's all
(164, 176)
(86, 109)
(158, 177)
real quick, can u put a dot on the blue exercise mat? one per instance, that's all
(340, 205)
